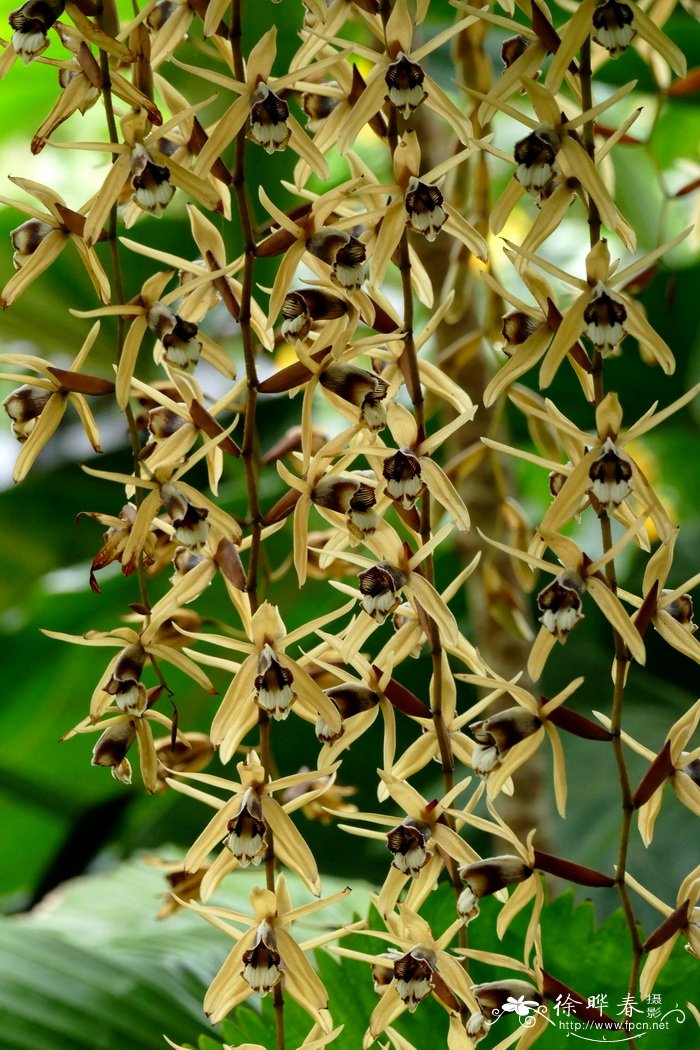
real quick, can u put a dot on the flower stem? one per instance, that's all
(408, 364)
(249, 445)
(621, 656)
(119, 292)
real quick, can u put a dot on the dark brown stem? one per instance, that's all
(588, 132)
(409, 364)
(621, 656)
(249, 445)
(119, 292)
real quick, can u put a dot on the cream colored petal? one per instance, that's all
(43, 431)
(422, 886)
(572, 35)
(454, 845)
(391, 890)
(225, 131)
(389, 1007)
(216, 10)
(616, 615)
(407, 797)
(237, 713)
(542, 647)
(87, 419)
(514, 758)
(660, 43)
(423, 592)
(443, 105)
(457, 979)
(638, 327)
(390, 231)
(559, 772)
(49, 249)
(647, 815)
(682, 730)
(505, 204)
(300, 142)
(567, 335)
(229, 988)
(191, 183)
(127, 361)
(305, 686)
(544, 102)
(445, 493)
(580, 164)
(417, 755)
(106, 198)
(676, 635)
(183, 663)
(364, 109)
(687, 791)
(290, 846)
(148, 761)
(94, 269)
(525, 356)
(549, 217)
(284, 277)
(654, 964)
(212, 835)
(458, 226)
(308, 796)
(510, 78)
(301, 981)
(420, 280)
(567, 502)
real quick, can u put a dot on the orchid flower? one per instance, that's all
(672, 764)
(191, 513)
(179, 342)
(243, 820)
(42, 238)
(560, 602)
(418, 204)
(603, 311)
(684, 919)
(141, 172)
(421, 844)
(599, 471)
(382, 583)
(267, 680)
(271, 123)
(265, 953)
(398, 77)
(508, 739)
(670, 610)
(417, 965)
(37, 407)
(552, 149)
(613, 24)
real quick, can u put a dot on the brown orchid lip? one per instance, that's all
(613, 26)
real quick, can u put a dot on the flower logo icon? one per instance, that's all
(520, 1006)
